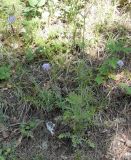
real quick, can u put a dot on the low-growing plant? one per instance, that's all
(78, 112)
(85, 74)
(126, 88)
(42, 98)
(26, 129)
(31, 26)
(105, 69)
(5, 152)
(33, 8)
(29, 55)
(47, 99)
(77, 139)
(5, 72)
(40, 157)
(117, 47)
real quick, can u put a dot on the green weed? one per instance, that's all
(85, 74)
(5, 72)
(26, 129)
(117, 47)
(79, 110)
(5, 152)
(40, 157)
(105, 69)
(29, 55)
(126, 88)
(33, 8)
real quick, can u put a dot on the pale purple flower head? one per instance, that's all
(46, 66)
(120, 63)
(11, 19)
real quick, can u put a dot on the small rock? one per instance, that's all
(128, 143)
(50, 126)
(57, 13)
(14, 45)
(64, 157)
(4, 130)
(44, 145)
(127, 156)
(23, 30)
(45, 16)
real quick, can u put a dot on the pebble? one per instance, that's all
(127, 156)
(128, 143)
(44, 145)
(50, 126)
